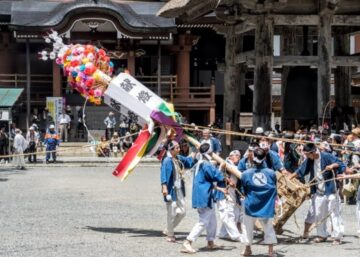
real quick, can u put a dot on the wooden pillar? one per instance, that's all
(159, 69)
(183, 62)
(288, 47)
(357, 43)
(56, 80)
(324, 69)
(28, 83)
(343, 99)
(232, 87)
(131, 63)
(264, 34)
(7, 53)
(232, 77)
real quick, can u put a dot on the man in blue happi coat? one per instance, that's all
(173, 188)
(259, 187)
(215, 145)
(323, 168)
(272, 159)
(247, 161)
(205, 175)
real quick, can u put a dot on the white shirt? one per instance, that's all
(356, 143)
(64, 119)
(20, 144)
(319, 175)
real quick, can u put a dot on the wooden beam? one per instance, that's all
(301, 20)
(293, 20)
(245, 57)
(346, 61)
(221, 29)
(346, 20)
(245, 26)
(292, 60)
(248, 58)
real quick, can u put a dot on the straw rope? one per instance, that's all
(189, 127)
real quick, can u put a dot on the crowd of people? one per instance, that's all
(320, 160)
(117, 141)
(44, 132)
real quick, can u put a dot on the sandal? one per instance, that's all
(188, 248)
(171, 239)
(319, 240)
(305, 236)
(214, 247)
(246, 253)
(336, 242)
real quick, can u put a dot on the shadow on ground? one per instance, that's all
(136, 232)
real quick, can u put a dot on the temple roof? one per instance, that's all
(192, 9)
(134, 16)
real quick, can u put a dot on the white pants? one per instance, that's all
(64, 132)
(19, 160)
(207, 220)
(227, 216)
(310, 216)
(175, 212)
(238, 214)
(248, 229)
(323, 206)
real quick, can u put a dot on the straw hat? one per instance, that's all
(356, 132)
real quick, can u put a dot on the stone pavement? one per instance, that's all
(85, 211)
(82, 161)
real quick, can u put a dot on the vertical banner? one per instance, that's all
(55, 106)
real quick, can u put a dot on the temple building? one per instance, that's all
(156, 50)
(286, 60)
(315, 39)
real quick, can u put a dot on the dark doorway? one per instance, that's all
(300, 96)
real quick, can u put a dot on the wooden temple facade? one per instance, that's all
(156, 50)
(314, 53)
(212, 59)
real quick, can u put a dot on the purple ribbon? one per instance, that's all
(166, 120)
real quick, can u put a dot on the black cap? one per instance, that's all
(309, 148)
(259, 155)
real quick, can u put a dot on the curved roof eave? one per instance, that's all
(61, 13)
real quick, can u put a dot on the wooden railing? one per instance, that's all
(166, 83)
(193, 95)
(19, 80)
(41, 87)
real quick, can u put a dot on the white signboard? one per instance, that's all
(55, 106)
(4, 115)
(133, 96)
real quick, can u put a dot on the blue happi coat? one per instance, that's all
(204, 177)
(273, 161)
(218, 195)
(243, 164)
(259, 188)
(307, 167)
(167, 174)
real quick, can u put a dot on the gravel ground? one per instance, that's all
(85, 211)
